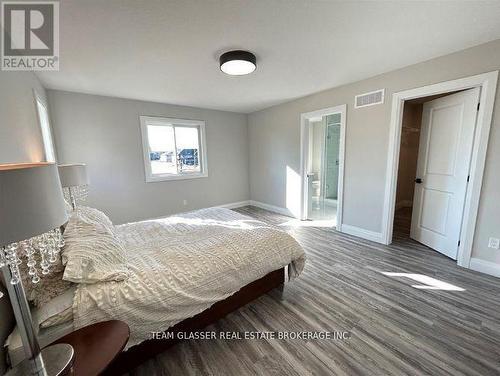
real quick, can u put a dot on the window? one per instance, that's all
(173, 148)
(43, 119)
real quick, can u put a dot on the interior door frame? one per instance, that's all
(304, 158)
(488, 83)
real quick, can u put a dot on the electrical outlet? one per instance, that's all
(185, 202)
(494, 243)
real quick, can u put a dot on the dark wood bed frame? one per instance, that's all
(138, 354)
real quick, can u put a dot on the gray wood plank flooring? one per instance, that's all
(395, 329)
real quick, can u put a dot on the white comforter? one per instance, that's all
(181, 265)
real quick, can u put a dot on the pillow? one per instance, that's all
(50, 285)
(57, 311)
(92, 252)
(95, 217)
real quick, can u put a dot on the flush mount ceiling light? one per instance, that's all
(237, 63)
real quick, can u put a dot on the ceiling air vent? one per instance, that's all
(369, 99)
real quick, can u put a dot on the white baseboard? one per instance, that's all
(404, 204)
(234, 205)
(483, 266)
(273, 208)
(362, 233)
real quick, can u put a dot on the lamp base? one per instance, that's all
(57, 360)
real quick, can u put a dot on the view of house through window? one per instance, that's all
(172, 148)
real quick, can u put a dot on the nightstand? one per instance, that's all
(96, 346)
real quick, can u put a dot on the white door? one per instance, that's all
(442, 170)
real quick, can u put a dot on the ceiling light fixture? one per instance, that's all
(238, 62)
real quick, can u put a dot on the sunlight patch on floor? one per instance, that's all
(245, 224)
(428, 283)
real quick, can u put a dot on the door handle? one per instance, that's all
(418, 181)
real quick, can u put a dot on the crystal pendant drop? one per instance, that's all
(13, 262)
(30, 255)
(52, 247)
(3, 260)
(42, 250)
(46, 246)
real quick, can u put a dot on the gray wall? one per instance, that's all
(274, 136)
(104, 133)
(20, 134)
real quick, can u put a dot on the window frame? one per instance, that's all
(164, 121)
(47, 138)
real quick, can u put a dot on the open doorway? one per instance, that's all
(322, 161)
(437, 134)
(487, 84)
(407, 167)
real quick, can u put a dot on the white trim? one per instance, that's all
(233, 205)
(483, 266)
(371, 104)
(340, 193)
(362, 233)
(331, 201)
(273, 208)
(304, 158)
(487, 82)
(156, 120)
(323, 156)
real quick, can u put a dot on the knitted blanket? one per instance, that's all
(181, 265)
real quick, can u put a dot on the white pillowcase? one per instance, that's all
(57, 311)
(96, 218)
(92, 252)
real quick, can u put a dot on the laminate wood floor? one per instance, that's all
(395, 329)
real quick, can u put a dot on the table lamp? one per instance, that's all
(74, 181)
(31, 213)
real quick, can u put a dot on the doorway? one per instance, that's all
(323, 138)
(447, 156)
(434, 160)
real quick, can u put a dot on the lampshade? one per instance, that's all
(73, 175)
(31, 211)
(31, 201)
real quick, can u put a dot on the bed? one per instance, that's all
(182, 272)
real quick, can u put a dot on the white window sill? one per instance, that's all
(157, 178)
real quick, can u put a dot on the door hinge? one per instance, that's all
(459, 243)
(478, 105)
(468, 178)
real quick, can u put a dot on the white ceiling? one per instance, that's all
(167, 51)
